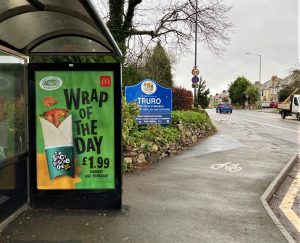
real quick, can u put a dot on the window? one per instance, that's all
(13, 160)
(12, 106)
(296, 103)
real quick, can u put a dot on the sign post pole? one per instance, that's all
(195, 68)
(195, 81)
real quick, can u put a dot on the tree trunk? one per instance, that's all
(115, 22)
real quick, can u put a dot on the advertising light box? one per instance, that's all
(77, 134)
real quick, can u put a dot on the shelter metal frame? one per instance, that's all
(27, 24)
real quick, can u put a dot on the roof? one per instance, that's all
(292, 78)
(55, 27)
(272, 83)
(275, 81)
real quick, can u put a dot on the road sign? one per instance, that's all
(154, 100)
(195, 79)
(195, 71)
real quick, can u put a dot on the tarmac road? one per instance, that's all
(184, 198)
(266, 122)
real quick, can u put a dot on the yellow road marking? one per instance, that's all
(288, 201)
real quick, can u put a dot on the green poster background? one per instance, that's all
(93, 170)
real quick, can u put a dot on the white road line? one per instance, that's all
(265, 124)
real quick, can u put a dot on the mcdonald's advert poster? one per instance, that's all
(75, 130)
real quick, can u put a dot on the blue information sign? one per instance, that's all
(154, 100)
(195, 79)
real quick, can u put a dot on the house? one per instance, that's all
(294, 77)
(224, 95)
(217, 98)
(269, 90)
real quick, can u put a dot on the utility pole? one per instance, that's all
(196, 33)
(195, 71)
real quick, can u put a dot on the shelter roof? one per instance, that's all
(54, 27)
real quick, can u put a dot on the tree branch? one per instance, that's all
(178, 23)
(132, 4)
(171, 23)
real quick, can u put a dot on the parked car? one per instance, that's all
(224, 107)
(274, 104)
(265, 104)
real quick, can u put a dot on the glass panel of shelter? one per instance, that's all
(13, 166)
(70, 44)
(12, 107)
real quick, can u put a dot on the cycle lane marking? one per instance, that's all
(228, 166)
(265, 124)
(288, 202)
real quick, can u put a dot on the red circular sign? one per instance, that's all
(195, 71)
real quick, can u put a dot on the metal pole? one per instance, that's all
(249, 53)
(196, 36)
(196, 33)
(260, 68)
(260, 91)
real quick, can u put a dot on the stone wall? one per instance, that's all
(146, 154)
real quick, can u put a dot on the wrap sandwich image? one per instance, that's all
(58, 139)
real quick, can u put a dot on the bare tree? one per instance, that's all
(135, 24)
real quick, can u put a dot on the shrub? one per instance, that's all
(129, 124)
(190, 118)
(182, 99)
(284, 93)
(15, 115)
(136, 136)
(145, 136)
(155, 133)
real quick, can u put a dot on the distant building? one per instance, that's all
(224, 95)
(217, 98)
(269, 90)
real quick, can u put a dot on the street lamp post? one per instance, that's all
(249, 53)
(260, 92)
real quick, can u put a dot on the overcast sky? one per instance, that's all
(266, 27)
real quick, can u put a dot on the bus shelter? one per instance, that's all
(31, 95)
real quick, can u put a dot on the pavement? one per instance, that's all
(193, 197)
(285, 202)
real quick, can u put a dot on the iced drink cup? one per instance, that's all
(60, 161)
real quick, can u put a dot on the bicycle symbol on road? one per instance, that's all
(229, 166)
